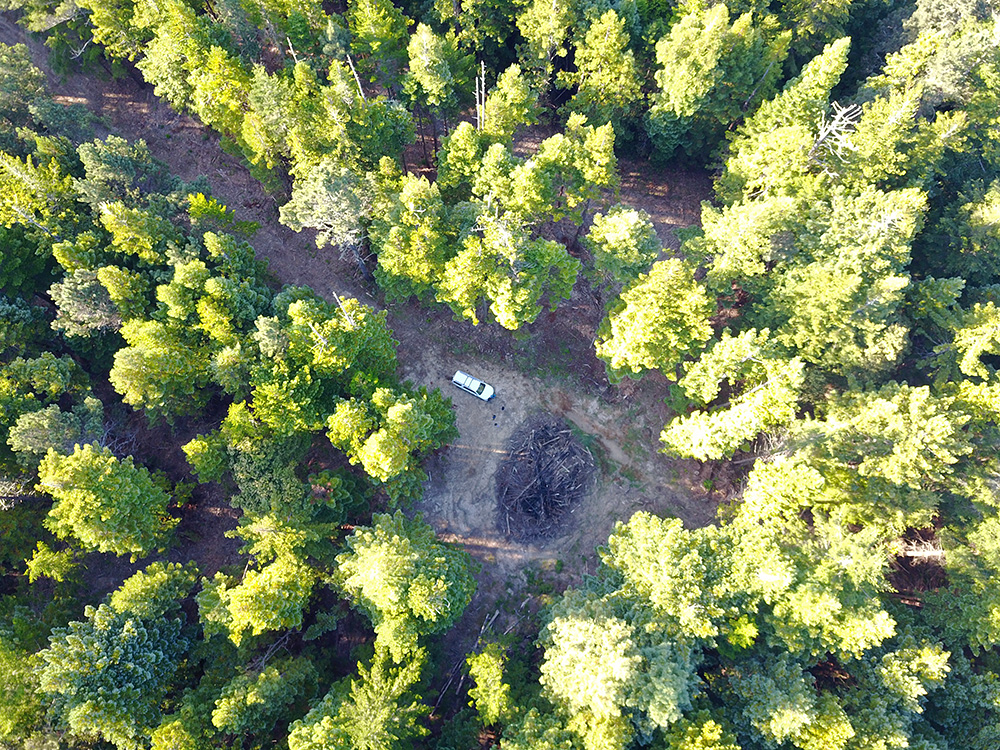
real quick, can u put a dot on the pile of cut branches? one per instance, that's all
(546, 472)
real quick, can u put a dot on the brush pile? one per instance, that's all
(546, 473)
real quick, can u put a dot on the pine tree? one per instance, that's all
(661, 319)
(407, 582)
(107, 504)
(608, 87)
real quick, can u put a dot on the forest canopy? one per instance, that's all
(827, 330)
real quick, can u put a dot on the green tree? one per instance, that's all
(159, 370)
(765, 388)
(107, 675)
(378, 39)
(545, 26)
(35, 432)
(21, 326)
(155, 591)
(814, 23)
(272, 597)
(407, 582)
(119, 170)
(711, 73)
(107, 504)
(20, 84)
(252, 703)
(769, 154)
(661, 319)
(38, 195)
(623, 244)
(538, 731)
(969, 227)
(780, 701)
(608, 86)
(376, 711)
(891, 689)
(30, 384)
(24, 266)
(491, 695)
(85, 307)
(499, 261)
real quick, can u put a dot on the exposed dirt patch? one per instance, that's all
(460, 497)
(671, 197)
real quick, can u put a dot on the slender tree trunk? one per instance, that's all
(423, 138)
(434, 131)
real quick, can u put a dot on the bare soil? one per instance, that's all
(553, 369)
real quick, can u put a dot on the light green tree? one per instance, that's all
(252, 703)
(623, 243)
(375, 711)
(765, 387)
(886, 455)
(501, 263)
(608, 86)
(407, 582)
(439, 74)
(699, 732)
(769, 154)
(659, 321)
(378, 39)
(272, 597)
(545, 26)
(411, 239)
(386, 436)
(511, 104)
(23, 707)
(711, 74)
(491, 694)
(159, 370)
(592, 659)
(107, 504)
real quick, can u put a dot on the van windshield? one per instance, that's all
(481, 388)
